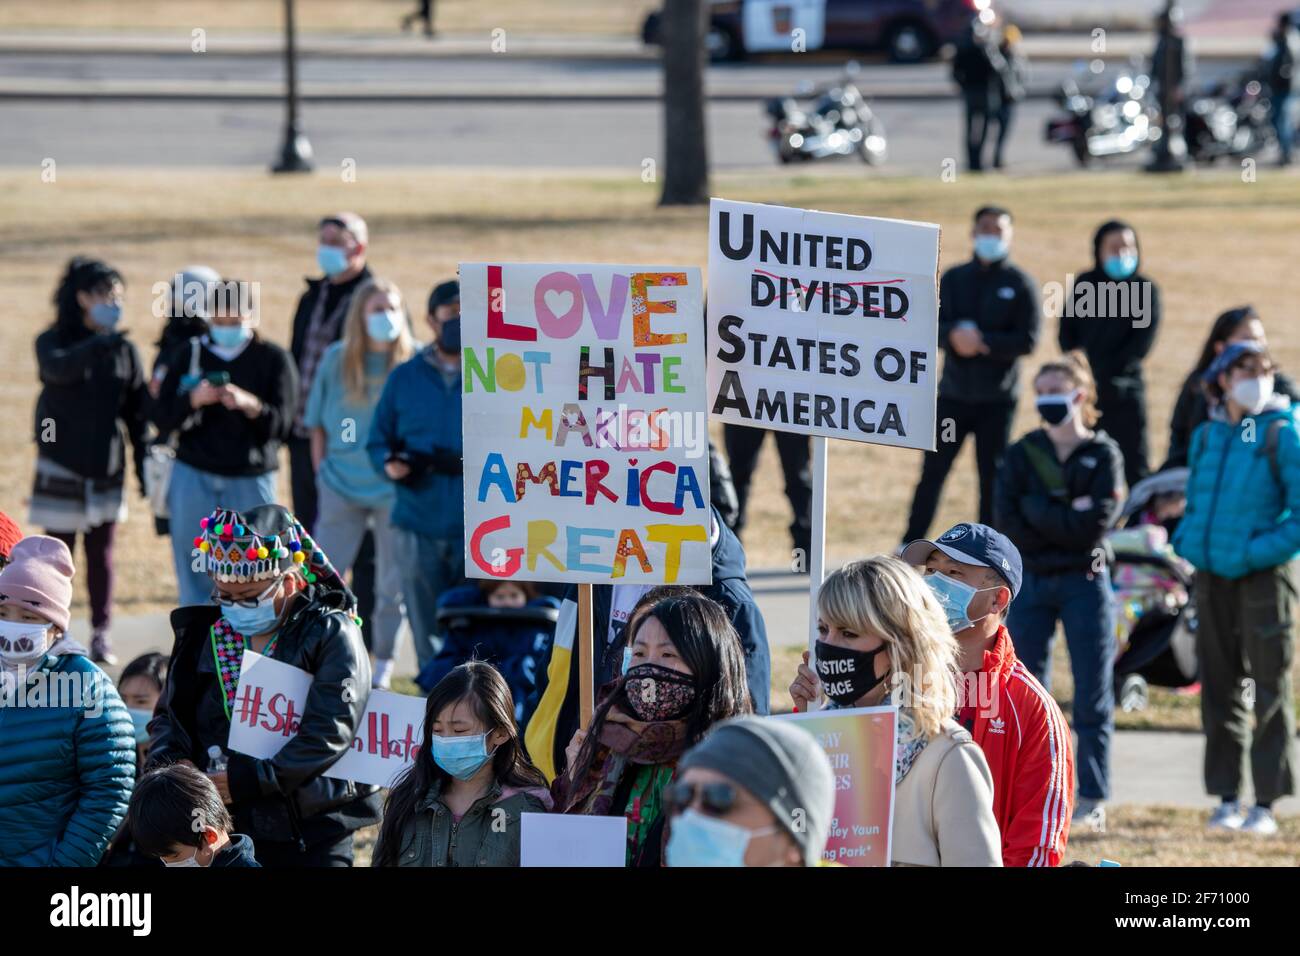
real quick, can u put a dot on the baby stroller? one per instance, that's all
(1155, 621)
(512, 639)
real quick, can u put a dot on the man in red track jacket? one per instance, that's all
(975, 572)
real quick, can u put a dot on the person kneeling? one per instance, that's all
(177, 816)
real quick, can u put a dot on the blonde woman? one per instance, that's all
(353, 496)
(1058, 493)
(883, 638)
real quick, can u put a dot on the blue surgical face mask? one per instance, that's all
(1120, 267)
(449, 337)
(699, 840)
(141, 720)
(105, 314)
(955, 597)
(384, 326)
(229, 336)
(250, 621)
(991, 248)
(332, 260)
(627, 658)
(462, 757)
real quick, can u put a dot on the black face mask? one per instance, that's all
(1053, 413)
(847, 675)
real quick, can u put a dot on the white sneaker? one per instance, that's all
(1260, 822)
(1089, 815)
(1227, 816)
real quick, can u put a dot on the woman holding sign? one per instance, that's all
(459, 803)
(275, 595)
(686, 673)
(884, 639)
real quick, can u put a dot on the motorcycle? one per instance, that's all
(1231, 119)
(839, 122)
(1116, 120)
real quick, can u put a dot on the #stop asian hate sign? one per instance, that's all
(585, 425)
(823, 324)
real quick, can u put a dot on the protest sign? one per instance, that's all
(824, 325)
(387, 740)
(269, 702)
(554, 839)
(585, 433)
(860, 743)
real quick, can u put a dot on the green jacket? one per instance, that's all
(432, 838)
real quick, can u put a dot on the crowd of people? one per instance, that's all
(955, 631)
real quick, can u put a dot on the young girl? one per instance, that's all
(92, 401)
(686, 673)
(352, 497)
(140, 686)
(67, 765)
(883, 638)
(471, 773)
(1060, 490)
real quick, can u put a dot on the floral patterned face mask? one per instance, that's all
(658, 693)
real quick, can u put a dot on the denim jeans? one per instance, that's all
(430, 565)
(191, 496)
(1084, 604)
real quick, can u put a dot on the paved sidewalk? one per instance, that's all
(1149, 768)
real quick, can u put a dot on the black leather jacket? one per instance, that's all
(284, 798)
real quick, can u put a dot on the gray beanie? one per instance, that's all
(781, 765)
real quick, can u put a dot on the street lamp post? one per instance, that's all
(295, 154)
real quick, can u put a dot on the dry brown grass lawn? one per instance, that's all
(1209, 239)
(328, 16)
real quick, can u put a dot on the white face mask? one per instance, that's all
(188, 861)
(23, 642)
(1253, 394)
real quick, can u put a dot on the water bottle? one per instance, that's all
(216, 760)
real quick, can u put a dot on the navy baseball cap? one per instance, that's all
(977, 544)
(1230, 356)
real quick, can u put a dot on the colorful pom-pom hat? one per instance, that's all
(260, 545)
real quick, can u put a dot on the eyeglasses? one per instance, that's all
(716, 799)
(219, 599)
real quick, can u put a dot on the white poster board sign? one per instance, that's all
(387, 740)
(823, 324)
(585, 424)
(269, 702)
(556, 839)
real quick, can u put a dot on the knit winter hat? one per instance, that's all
(780, 764)
(9, 535)
(38, 578)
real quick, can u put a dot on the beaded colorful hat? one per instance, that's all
(261, 545)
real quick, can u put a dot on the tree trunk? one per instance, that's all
(686, 157)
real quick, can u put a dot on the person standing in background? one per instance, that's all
(988, 319)
(422, 12)
(92, 401)
(415, 441)
(976, 66)
(1009, 82)
(231, 418)
(1114, 318)
(189, 306)
(1283, 80)
(355, 499)
(743, 444)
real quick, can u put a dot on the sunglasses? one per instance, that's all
(716, 799)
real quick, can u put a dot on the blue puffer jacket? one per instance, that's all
(66, 772)
(1238, 520)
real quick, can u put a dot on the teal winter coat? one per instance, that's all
(67, 765)
(1240, 518)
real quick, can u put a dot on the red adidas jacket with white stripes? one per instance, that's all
(1027, 745)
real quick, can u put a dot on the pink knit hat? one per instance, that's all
(38, 578)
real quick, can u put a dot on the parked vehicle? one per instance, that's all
(1231, 119)
(1119, 118)
(837, 122)
(910, 31)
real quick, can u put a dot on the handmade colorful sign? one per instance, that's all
(585, 425)
(387, 740)
(860, 743)
(823, 324)
(269, 703)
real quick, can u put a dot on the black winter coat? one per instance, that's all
(284, 798)
(1059, 530)
(1003, 302)
(1115, 344)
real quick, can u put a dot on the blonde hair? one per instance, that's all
(356, 340)
(886, 596)
(1074, 366)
